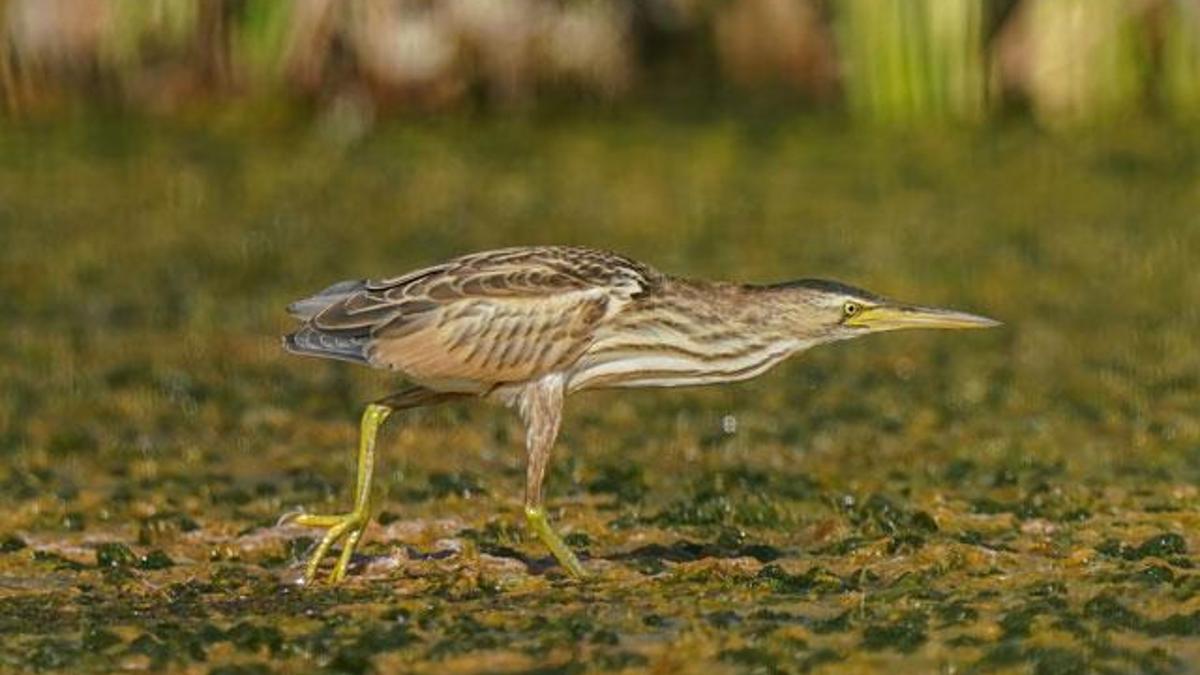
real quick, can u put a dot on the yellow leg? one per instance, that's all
(540, 405)
(536, 518)
(349, 526)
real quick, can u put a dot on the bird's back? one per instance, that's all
(477, 321)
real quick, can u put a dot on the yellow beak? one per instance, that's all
(898, 317)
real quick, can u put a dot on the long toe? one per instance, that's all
(314, 520)
(347, 528)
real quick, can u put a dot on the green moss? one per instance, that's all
(115, 555)
(52, 654)
(819, 658)
(463, 484)
(1153, 575)
(465, 634)
(1169, 546)
(73, 521)
(1057, 661)
(251, 637)
(1161, 546)
(754, 660)
(619, 660)
(150, 646)
(97, 639)
(57, 561)
(625, 481)
(1110, 612)
(1177, 624)
(815, 579)
(11, 544)
(905, 634)
(880, 515)
(834, 624)
(1037, 659)
(240, 669)
(577, 540)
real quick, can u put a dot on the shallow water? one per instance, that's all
(1017, 499)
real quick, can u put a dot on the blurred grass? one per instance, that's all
(1090, 60)
(892, 62)
(908, 500)
(260, 39)
(910, 62)
(142, 31)
(1181, 60)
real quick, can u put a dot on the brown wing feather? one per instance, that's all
(488, 318)
(493, 341)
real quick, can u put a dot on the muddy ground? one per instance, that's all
(1017, 500)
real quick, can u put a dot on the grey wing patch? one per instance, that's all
(313, 305)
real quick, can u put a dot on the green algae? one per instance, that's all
(905, 634)
(1018, 500)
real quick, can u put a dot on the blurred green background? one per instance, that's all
(174, 172)
(1065, 63)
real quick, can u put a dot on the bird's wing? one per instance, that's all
(494, 317)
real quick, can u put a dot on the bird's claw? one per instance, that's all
(348, 526)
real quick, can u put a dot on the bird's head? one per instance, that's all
(828, 311)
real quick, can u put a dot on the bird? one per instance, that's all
(527, 326)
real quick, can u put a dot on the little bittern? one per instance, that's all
(527, 326)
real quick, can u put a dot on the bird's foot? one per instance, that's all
(347, 526)
(536, 518)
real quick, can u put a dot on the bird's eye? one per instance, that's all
(851, 308)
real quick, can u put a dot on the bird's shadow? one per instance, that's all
(538, 565)
(649, 559)
(686, 550)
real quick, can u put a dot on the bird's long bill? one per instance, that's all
(897, 317)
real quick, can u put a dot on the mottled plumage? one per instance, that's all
(477, 321)
(527, 326)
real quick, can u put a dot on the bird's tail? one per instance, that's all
(311, 341)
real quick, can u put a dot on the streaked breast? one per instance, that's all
(670, 348)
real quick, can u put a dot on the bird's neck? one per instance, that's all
(686, 333)
(720, 310)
